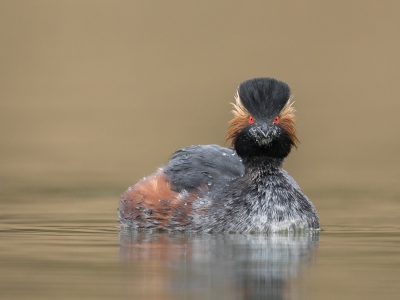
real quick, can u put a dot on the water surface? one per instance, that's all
(66, 244)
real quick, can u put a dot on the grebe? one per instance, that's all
(209, 188)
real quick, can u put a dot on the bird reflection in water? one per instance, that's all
(163, 265)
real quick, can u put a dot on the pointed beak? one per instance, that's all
(262, 134)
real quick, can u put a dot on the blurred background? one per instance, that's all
(96, 94)
(100, 93)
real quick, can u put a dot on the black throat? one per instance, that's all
(262, 165)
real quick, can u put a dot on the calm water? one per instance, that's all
(95, 95)
(65, 244)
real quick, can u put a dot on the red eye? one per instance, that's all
(276, 120)
(251, 120)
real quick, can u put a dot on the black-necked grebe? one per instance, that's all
(245, 189)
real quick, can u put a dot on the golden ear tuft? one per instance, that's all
(239, 120)
(287, 121)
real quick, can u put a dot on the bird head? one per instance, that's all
(263, 123)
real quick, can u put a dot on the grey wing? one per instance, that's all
(195, 166)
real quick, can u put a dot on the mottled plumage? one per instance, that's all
(244, 189)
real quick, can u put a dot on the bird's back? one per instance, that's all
(165, 199)
(203, 165)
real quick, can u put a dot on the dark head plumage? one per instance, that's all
(264, 97)
(264, 119)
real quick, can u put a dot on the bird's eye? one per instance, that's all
(276, 120)
(251, 120)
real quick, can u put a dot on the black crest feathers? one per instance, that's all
(264, 97)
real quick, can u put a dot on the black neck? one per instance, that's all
(261, 164)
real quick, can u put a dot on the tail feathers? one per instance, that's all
(152, 204)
